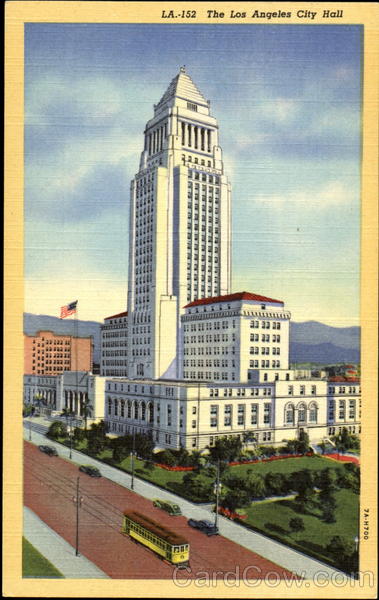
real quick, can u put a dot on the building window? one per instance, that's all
(267, 413)
(313, 413)
(289, 414)
(301, 414)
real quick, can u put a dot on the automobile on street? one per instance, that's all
(90, 470)
(170, 507)
(204, 526)
(48, 450)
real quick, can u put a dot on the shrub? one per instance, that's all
(167, 458)
(276, 484)
(57, 430)
(296, 524)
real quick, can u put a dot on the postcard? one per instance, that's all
(190, 299)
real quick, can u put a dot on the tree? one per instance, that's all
(255, 486)
(225, 449)
(302, 482)
(276, 484)
(57, 430)
(167, 458)
(296, 524)
(328, 506)
(327, 479)
(235, 499)
(303, 442)
(343, 552)
(144, 445)
(121, 447)
(97, 440)
(198, 487)
(86, 410)
(79, 434)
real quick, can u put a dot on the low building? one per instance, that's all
(78, 392)
(114, 346)
(48, 353)
(274, 406)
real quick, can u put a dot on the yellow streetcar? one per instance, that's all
(164, 542)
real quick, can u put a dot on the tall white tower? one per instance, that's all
(180, 228)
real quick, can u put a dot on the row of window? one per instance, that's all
(54, 342)
(256, 391)
(265, 324)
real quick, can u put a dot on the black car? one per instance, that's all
(48, 450)
(92, 471)
(204, 526)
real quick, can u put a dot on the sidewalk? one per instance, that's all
(278, 553)
(57, 550)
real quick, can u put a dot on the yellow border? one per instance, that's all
(19, 12)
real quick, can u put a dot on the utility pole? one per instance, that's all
(217, 490)
(70, 435)
(132, 460)
(78, 501)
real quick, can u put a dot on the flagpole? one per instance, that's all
(77, 353)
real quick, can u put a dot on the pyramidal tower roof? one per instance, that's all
(182, 86)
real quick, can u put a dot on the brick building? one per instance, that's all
(47, 353)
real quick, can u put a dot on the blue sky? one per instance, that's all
(288, 102)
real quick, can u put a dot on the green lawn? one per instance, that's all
(172, 480)
(34, 564)
(288, 465)
(273, 519)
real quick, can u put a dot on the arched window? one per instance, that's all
(289, 414)
(109, 406)
(116, 407)
(135, 410)
(312, 416)
(129, 409)
(143, 411)
(122, 405)
(302, 414)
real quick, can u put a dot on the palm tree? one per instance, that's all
(86, 411)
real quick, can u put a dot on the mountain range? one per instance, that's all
(310, 341)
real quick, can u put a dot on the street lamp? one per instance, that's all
(217, 490)
(78, 501)
(70, 436)
(132, 459)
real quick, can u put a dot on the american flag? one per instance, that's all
(68, 310)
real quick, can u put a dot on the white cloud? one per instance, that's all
(334, 193)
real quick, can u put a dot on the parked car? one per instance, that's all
(50, 450)
(204, 526)
(170, 507)
(90, 470)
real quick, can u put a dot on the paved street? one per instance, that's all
(271, 550)
(50, 490)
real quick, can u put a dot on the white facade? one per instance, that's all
(192, 415)
(203, 362)
(180, 227)
(114, 346)
(72, 390)
(225, 337)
